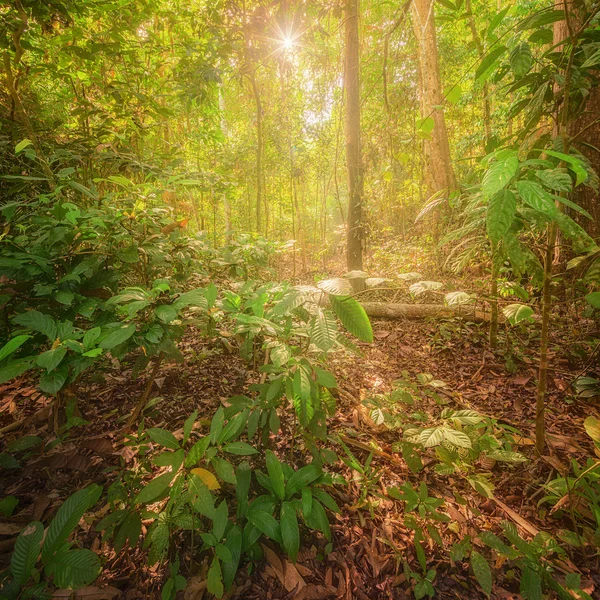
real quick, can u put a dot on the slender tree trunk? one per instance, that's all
(439, 169)
(354, 255)
(259, 148)
(487, 120)
(225, 132)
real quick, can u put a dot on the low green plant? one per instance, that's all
(38, 557)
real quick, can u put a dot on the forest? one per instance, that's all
(299, 299)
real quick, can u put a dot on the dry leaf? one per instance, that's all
(292, 580)
(207, 477)
(316, 592)
(9, 529)
(100, 445)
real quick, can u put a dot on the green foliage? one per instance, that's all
(68, 567)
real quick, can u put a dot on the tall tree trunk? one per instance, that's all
(354, 255)
(439, 171)
(259, 148)
(487, 120)
(225, 132)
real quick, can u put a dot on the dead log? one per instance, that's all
(387, 310)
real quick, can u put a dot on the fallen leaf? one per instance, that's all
(316, 592)
(9, 529)
(292, 580)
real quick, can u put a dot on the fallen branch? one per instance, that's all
(422, 311)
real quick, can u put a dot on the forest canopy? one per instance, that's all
(299, 299)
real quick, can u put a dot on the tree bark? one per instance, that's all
(439, 172)
(421, 311)
(354, 256)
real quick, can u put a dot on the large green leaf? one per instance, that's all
(35, 320)
(531, 584)
(26, 552)
(521, 60)
(482, 572)
(302, 477)
(74, 569)
(50, 359)
(14, 368)
(215, 578)
(163, 437)
(537, 197)
(265, 523)
(485, 67)
(154, 488)
(500, 214)
(12, 345)
(117, 336)
(353, 317)
(275, 471)
(67, 518)
(500, 172)
(323, 330)
(290, 533)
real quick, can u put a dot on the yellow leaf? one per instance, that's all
(207, 477)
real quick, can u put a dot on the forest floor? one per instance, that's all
(370, 537)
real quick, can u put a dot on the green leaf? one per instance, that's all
(323, 330)
(22, 145)
(154, 488)
(500, 172)
(515, 313)
(594, 299)
(74, 569)
(117, 336)
(537, 197)
(454, 94)
(24, 443)
(521, 60)
(302, 477)
(457, 438)
(318, 519)
(353, 317)
(8, 505)
(50, 359)
(275, 471)
(215, 578)
(37, 321)
(234, 544)
(163, 437)
(91, 337)
(240, 448)
(188, 425)
(196, 452)
(224, 470)
(67, 518)
(482, 572)
(13, 345)
(166, 313)
(500, 214)
(531, 584)
(290, 533)
(26, 552)
(202, 500)
(220, 521)
(15, 368)
(304, 408)
(574, 163)
(484, 68)
(431, 437)
(52, 383)
(265, 523)
(555, 179)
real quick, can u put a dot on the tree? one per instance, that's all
(440, 173)
(353, 147)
